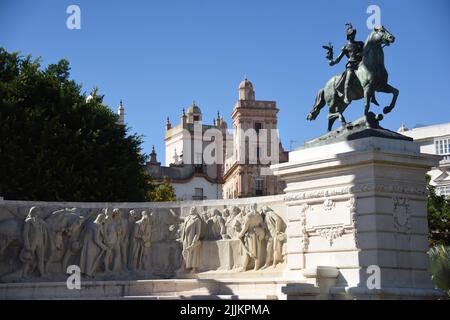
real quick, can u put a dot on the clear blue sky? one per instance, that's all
(158, 56)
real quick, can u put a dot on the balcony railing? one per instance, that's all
(259, 192)
(199, 168)
(198, 197)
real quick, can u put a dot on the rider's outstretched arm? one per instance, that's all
(339, 57)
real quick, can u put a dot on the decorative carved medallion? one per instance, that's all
(328, 205)
(402, 217)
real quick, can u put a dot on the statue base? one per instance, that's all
(356, 200)
(366, 126)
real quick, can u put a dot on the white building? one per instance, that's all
(190, 174)
(434, 139)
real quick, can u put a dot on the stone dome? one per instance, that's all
(245, 84)
(194, 109)
(246, 91)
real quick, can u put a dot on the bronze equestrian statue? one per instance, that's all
(365, 74)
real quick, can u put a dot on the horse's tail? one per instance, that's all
(318, 105)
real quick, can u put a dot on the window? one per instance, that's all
(198, 194)
(443, 191)
(196, 118)
(198, 158)
(198, 163)
(442, 146)
(258, 126)
(259, 186)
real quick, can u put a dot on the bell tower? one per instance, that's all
(121, 113)
(245, 174)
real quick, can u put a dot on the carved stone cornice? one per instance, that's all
(322, 193)
(369, 187)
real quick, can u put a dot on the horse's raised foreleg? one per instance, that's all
(390, 89)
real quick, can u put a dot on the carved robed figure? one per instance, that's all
(252, 236)
(94, 246)
(275, 237)
(35, 242)
(141, 243)
(190, 238)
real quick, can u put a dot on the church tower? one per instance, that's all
(121, 113)
(246, 174)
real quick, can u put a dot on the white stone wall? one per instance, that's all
(187, 144)
(175, 142)
(186, 190)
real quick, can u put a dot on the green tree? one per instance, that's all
(438, 217)
(162, 192)
(55, 145)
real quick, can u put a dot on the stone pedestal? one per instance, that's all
(360, 206)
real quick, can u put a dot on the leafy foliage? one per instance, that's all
(162, 192)
(438, 218)
(56, 146)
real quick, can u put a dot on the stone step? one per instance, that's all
(201, 297)
(156, 289)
